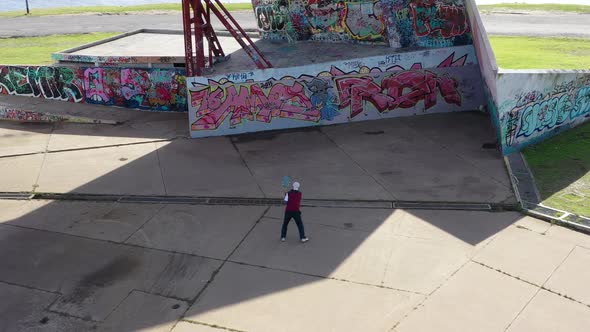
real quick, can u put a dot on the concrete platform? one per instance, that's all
(136, 49)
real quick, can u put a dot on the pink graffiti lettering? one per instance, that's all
(402, 90)
(251, 102)
(96, 89)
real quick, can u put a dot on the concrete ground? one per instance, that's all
(426, 158)
(111, 266)
(103, 266)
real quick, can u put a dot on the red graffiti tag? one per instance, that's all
(403, 90)
(430, 17)
(251, 102)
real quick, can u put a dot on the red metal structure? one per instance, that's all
(196, 17)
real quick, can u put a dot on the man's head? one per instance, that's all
(295, 185)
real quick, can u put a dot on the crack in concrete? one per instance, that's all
(160, 169)
(357, 164)
(209, 325)
(233, 143)
(29, 287)
(89, 147)
(142, 225)
(324, 277)
(532, 284)
(216, 272)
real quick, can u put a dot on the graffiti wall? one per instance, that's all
(360, 89)
(399, 23)
(533, 106)
(426, 23)
(323, 20)
(150, 89)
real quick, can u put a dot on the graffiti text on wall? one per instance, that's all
(154, 89)
(403, 90)
(430, 18)
(319, 98)
(537, 112)
(325, 20)
(426, 23)
(48, 82)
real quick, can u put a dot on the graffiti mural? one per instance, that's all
(272, 17)
(533, 107)
(334, 93)
(399, 23)
(426, 23)
(58, 83)
(403, 90)
(153, 89)
(324, 20)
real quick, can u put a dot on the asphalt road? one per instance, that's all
(545, 24)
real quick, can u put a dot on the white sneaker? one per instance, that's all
(283, 239)
(304, 240)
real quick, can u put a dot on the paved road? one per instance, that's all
(548, 24)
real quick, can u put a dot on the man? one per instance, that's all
(293, 201)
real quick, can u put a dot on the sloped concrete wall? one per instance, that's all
(399, 23)
(412, 83)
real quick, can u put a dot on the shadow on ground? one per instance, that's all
(123, 267)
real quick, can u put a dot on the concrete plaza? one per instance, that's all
(80, 266)
(71, 265)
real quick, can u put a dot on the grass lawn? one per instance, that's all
(112, 9)
(534, 7)
(38, 50)
(561, 166)
(541, 53)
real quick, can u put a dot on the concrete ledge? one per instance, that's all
(16, 196)
(253, 201)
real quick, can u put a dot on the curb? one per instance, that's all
(528, 196)
(249, 201)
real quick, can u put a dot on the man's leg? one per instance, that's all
(297, 217)
(286, 220)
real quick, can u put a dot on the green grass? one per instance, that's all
(561, 166)
(38, 50)
(541, 53)
(534, 7)
(112, 9)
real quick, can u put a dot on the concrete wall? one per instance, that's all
(150, 89)
(487, 63)
(442, 80)
(528, 106)
(535, 105)
(399, 23)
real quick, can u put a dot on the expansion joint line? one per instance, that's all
(247, 166)
(357, 164)
(216, 272)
